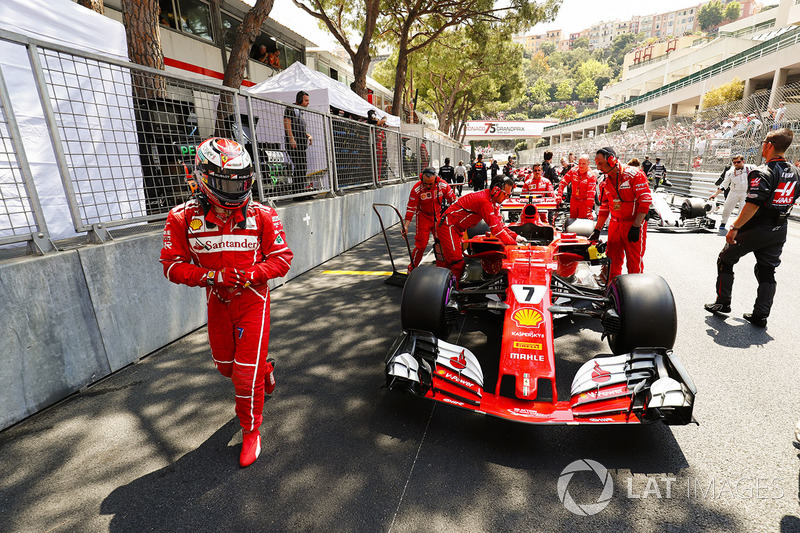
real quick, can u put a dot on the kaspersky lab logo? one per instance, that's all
(585, 509)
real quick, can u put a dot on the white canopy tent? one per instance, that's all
(103, 195)
(322, 90)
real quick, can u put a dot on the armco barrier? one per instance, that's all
(73, 317)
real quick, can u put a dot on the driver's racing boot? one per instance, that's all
(251, 447)
(758, 321)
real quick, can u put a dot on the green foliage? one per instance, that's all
(547, 48)
(544, 141)
(565, 113)
(733, 11)
(711, 15)
(539, 92)
(618, 117)
(581, 42)
(564, 90)
(729, 92)
(522, 145)
(586, 90)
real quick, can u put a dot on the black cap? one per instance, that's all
(607, 151)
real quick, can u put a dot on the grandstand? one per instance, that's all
(668, 93)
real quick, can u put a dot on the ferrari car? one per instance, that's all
(530, 285)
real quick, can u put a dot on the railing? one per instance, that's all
(119, 141)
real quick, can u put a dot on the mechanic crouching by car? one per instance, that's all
(468, 211)
(583, 181)
(231, 245)
(428, 199)
(626, 198)
(760, 228)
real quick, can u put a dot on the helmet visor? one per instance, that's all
(229, 187)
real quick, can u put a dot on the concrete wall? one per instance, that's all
(70, 318)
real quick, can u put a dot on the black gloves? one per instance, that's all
(595, 235)
(633, 234)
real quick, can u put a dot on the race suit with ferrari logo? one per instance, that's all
(197, 240)
(465, 213)
(427, 204)
(581, 200)
(623, 196)
(540, 186)
(774, 188)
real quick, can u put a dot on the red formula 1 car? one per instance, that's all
(529, 285)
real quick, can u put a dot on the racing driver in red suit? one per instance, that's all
(584, 183)
(468, 211)
(427, 201)
(223, 241)
(538, 184)
(626, 198)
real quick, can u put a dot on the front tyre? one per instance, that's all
(646, 309)
(425, 295)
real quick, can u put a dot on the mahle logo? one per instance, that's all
(585, 509)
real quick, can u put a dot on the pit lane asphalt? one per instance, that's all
(154, 447)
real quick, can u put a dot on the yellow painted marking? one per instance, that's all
(357, 272)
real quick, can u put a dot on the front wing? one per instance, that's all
(647, 385)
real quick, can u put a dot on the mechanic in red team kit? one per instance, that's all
(584, 181)
(231, 245)
(428, 199)
(626, 197)
(760, 228)
(536, 183)
(468, 211)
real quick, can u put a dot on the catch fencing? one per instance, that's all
(702, 143)
(117, 141)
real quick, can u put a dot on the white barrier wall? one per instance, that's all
(70, 318)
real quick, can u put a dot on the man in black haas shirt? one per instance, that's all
(760, 228)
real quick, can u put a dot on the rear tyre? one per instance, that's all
(425, 296)
(646, 309)
(693, 208)
(480, 228)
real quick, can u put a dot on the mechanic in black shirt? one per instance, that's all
(478, 174)
(494, 168)
(647, 164)
(760, 228)
(548, 170)
(447, 172)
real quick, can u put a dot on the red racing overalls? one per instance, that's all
(540, 186)
(196, 241)
(426, 204)
(465, 213)
(623, 197)
(581, 200)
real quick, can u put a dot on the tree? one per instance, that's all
(581, 42)
(411, 25)
(733, 11)
(94, 5)
(710, 15)
(520, 146)
(537, 67)
(539, 93)
(547, 48)
(592, 69)
(565, 113)
(729, 92)
(246, 35)
(348, 21)
(618, 117)
(564, 91)
(586, 90)
(140, 18)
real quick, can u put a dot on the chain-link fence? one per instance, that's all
(120, 142)
(704, 142)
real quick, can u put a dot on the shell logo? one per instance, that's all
(528, 318)
(196, 224)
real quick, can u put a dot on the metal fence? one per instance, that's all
(121, 140)
(704, 142)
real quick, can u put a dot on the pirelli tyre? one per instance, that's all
(425, 296)
(480, 228)
(693, 208)
(579, 226)
(642, 313)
